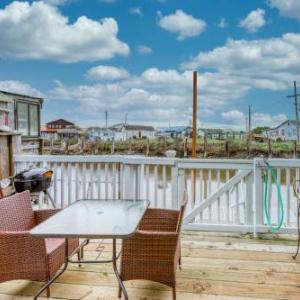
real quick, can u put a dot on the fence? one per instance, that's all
(224, 195)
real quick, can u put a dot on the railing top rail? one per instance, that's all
(279, 162)
(132, 159)
(187, 163)
(240, 164)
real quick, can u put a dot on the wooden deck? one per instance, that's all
(214, 267)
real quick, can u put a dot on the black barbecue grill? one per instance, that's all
(35, 180)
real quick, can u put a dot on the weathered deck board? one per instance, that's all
(214, 268)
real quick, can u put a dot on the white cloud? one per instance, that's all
(222, 23)
(39, 31)
(234, 117)
(287, 8)
(267, 63)
(254, 21)
(238, 118)
(19, 87)
(142, 49)
(56, 2)
(155, 96)
(136, 11)
(107, 73)
(182, 24)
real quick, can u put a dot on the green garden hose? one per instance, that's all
(279, 199)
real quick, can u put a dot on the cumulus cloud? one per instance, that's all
(39, 31)
(142, 49)
(287, 8)
(182, 24)
(155, 96)
(267, 63)
(254, 21)
(136, 11)
(234, 117)
(19, 87)
(107, 73)
(238, 118)
(56, 2)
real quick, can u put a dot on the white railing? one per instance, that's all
(224, 195)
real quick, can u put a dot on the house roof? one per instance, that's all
(283, 123)
(61, 121)
(177, 129)
(40, 99)
(132, 127)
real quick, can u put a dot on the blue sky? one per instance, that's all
(136, 57)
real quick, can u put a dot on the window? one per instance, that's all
(282, 131)
(28, 119)
(22, 117)
(33, 120)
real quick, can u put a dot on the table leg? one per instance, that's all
(298, 225)
(47, 284)
(114, 259)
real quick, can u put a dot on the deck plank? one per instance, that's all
(214, 268)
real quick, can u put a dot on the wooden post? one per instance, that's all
(130, 145)
(148, 147)
(295, 149)
(269, 148)
(41, 146)
(227, 147)
(51, 145)
(248, 146)
(165, 145)
(205, 144)
(185, 147)
(113, 146)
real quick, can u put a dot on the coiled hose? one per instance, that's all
(279, 199)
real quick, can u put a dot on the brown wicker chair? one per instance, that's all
(154, 251)
(21, 255)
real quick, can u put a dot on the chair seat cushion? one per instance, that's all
(56, 252)
(53, 244)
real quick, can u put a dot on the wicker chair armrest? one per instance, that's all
(156, 234)
(21, 245)
(156, 219)
(44, 214)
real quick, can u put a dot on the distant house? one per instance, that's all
(126, 131)
(59, 124)
(287, 131)
(60, 129)
(220, 134)
(177, 131)
(100, 133)
(22, 113)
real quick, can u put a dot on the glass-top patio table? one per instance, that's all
(93, 219)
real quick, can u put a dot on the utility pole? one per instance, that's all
(249, 121)
(295, 96)
(195, 96)
(194, 133)
(106, 116)
(126, 114)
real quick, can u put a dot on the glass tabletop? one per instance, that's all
(94, 219)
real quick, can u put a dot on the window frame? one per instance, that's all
(29, 103)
